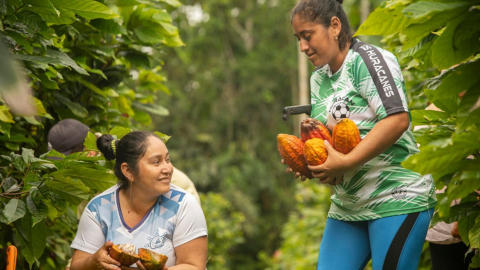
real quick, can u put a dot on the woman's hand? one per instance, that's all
(296, 175)
(98, 260)
(332, 170)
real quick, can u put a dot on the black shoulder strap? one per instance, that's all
(381, 75)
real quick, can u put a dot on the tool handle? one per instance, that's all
(299, 109)
(11, 257)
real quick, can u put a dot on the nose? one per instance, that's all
(168, 170)
(303, 45)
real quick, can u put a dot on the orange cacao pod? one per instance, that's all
(345, 136)
(291, 150)
(315, 152)
(312, 128)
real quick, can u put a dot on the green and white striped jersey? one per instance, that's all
(381, 187)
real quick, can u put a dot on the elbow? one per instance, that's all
(403, 121)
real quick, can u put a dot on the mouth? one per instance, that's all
(310, 55)
(164, 179)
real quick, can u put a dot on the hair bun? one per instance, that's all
(339, 1)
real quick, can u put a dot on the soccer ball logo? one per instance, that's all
(340, 111)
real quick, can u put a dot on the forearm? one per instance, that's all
(81, 263)
(383, 135)
(185, 267)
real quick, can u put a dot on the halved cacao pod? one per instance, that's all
(345, 136)
(291, 150)
(152, 260)
(312, 128)
(124, 254)
(315, 151)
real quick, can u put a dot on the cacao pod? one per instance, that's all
(315, 152)
(151, 260)
(345, 136)
(312, 128)
(291, 150)
(124, 254)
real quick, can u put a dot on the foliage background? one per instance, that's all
(215, 76)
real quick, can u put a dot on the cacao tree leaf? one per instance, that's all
(32, 239)
(14, 210)
(75, 108)
(21, 40)
(428, 8)
(445, 53)
(91, 142)
(38, 210)
(151, 108)
(119, 132)
(40, 164)
(5, 115)
(433, 158)
(149, 35)
(92, 178)
(5, 128)
(474, 234)
(384, 21)
(463, 183)
(88, 9)
(57, 202)
(448, 105)
(430, 117)
(174, 41)
(28, 156)
(162, 136)
(10, 185)
(68, 189)
(465, 116)
(108, 26)
(173, 3)
(94, 88)
(46, 81)
(52, 57)
(465, 224)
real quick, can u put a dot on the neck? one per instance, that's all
(337, 64)
(136, 203)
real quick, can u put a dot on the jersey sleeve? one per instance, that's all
(89, 237)
(190, 222)
(379, 79)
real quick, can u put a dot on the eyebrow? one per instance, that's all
(302, 32)
(158, 156)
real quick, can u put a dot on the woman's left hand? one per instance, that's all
(331, 172)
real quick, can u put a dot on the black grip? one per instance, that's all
(291, 110)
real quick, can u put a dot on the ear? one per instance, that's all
(336, 25)
(126, 170)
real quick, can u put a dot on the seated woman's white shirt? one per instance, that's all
(175, 219)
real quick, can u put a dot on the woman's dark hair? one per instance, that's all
(322, 11)
(129, 149)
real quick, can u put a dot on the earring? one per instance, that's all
(336, 37)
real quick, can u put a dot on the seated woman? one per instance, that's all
(143, 209)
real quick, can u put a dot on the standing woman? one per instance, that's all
(380, 210)
(144, 209)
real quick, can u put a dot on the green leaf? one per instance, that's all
(5, 128)
(44, 4)
(465, 116)
(449, 49)
(119, 132)
(39, 164)
(474, 233)
(433, 158)
(92, 87)
(73, 191)
(91, 141)
(162, 136)
(21, 40)
(75, 108)
(53, 58)
(47, 82)
(384, 21)
(173, 3)
(149, 35)
(170, 29)
(5, 115)
(10, 185)
(430, 117)
(151, 108)
(38, 210)
(108, 26)
(428, 8)
(32, 239)
(57, 202)
(14, 210)
(174, 41)
(88, 9)
(92, 178)
(28, 156)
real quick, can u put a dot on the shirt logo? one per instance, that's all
(379, 69)
(340, 110)
(157, 241)
(399, 193)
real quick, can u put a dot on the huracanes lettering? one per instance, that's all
(379, 69)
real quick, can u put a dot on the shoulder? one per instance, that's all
(108, 197)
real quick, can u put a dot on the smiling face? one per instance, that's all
(154, 169)
(318, 42)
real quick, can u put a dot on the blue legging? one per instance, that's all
(392, 243)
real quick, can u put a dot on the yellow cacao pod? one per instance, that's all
(290, 148)
(345, 136)
(315, 152)
(312, 128)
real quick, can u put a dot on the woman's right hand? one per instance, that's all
(101, 259)
(296, 175)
